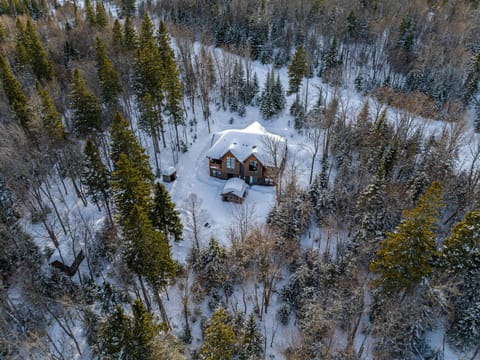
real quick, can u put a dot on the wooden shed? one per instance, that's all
(235, 190)
(169, 174)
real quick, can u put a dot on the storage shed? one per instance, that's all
(235, 190)
(169, 174)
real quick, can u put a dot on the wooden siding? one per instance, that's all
(225, 170)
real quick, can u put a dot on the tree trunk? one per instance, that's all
(145, 294)
(161, 307)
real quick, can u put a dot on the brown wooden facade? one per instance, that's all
(251, 170)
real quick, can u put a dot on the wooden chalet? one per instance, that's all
(251, 154)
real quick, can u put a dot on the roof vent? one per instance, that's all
(234, 143)
(254, 146)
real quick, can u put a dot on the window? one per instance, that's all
(253, 165)
(216, 173)
(230, 163)
(268, 181)
(216, 161)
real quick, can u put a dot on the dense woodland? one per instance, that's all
(87, 86)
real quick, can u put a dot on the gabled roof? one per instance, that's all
(245, 142)
(235, 186)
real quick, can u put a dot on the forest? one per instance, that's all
(366, 247)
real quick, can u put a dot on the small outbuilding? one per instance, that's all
(235, 190)
(169, 174)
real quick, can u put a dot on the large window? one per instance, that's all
(230, 163)
(253, 165)
(216, 173)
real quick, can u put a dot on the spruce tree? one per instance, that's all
(129, 187)
(110, 86)
(3, 33)
(472, 80)
(86, 110)
(163, 214)
(297, 70)
(130, 39)
(90, 13)
(101, 19)
(148, 82)
(405, 256)
(41, 66)
(127, 8)
(95, 176)
(51, 119)
(251, 347)
(144, 331)
(14, 94)
(461, 258)
(114, 335)
(172, 85)
(125, 142)
(219, 338)
(22, 56)
(267, 107)
(117, 36)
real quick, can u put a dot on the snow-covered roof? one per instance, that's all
(169, 171)
(235, 186)
(242, 143)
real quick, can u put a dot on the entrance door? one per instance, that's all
(253, 180)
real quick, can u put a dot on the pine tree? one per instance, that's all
(352, 26)
(127, 8)
(86, 111)
(147, 252)
(331, 58)
(117, 36)
(41, 66)
(51, 119)
(461, 257)
(472, 80)
(251, 347)
(219, 338)
(130, 188)
(267, 108)
(101, 19)
(163, 214)
(172, 85)
(129, 337)
(95, 176)
(14, 94)
(130, 39)
(278, 96)
(125, 142)
(110, 86)
(114, 335)
(22, 55)
(297, 70)
(3, 33)
(90, 13)
(148, 81)
(404, 257)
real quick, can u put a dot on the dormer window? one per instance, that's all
(230, 162)
(252, 166)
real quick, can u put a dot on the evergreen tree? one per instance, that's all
(114, 335)
(130, 188)
(352, 26)
(127, 8)
(172, 85)
(41, 66)
(117, 36)
(51, 119)
(147, 252)
(461, 257)
(3, 33)
(22, 55)
(110, 86)
(297, 70)
(272, 100)
(86, 111)
(163, 214)
(404, 257)
(95, 176)
(125, 142)
(130, 39)
(148, 83)
(472, 80)
(331, 58)
(251, 347)
(101, 19)
(219, 338)
(129, 337)
(14, 94)
(90, 13)
(321, 195)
